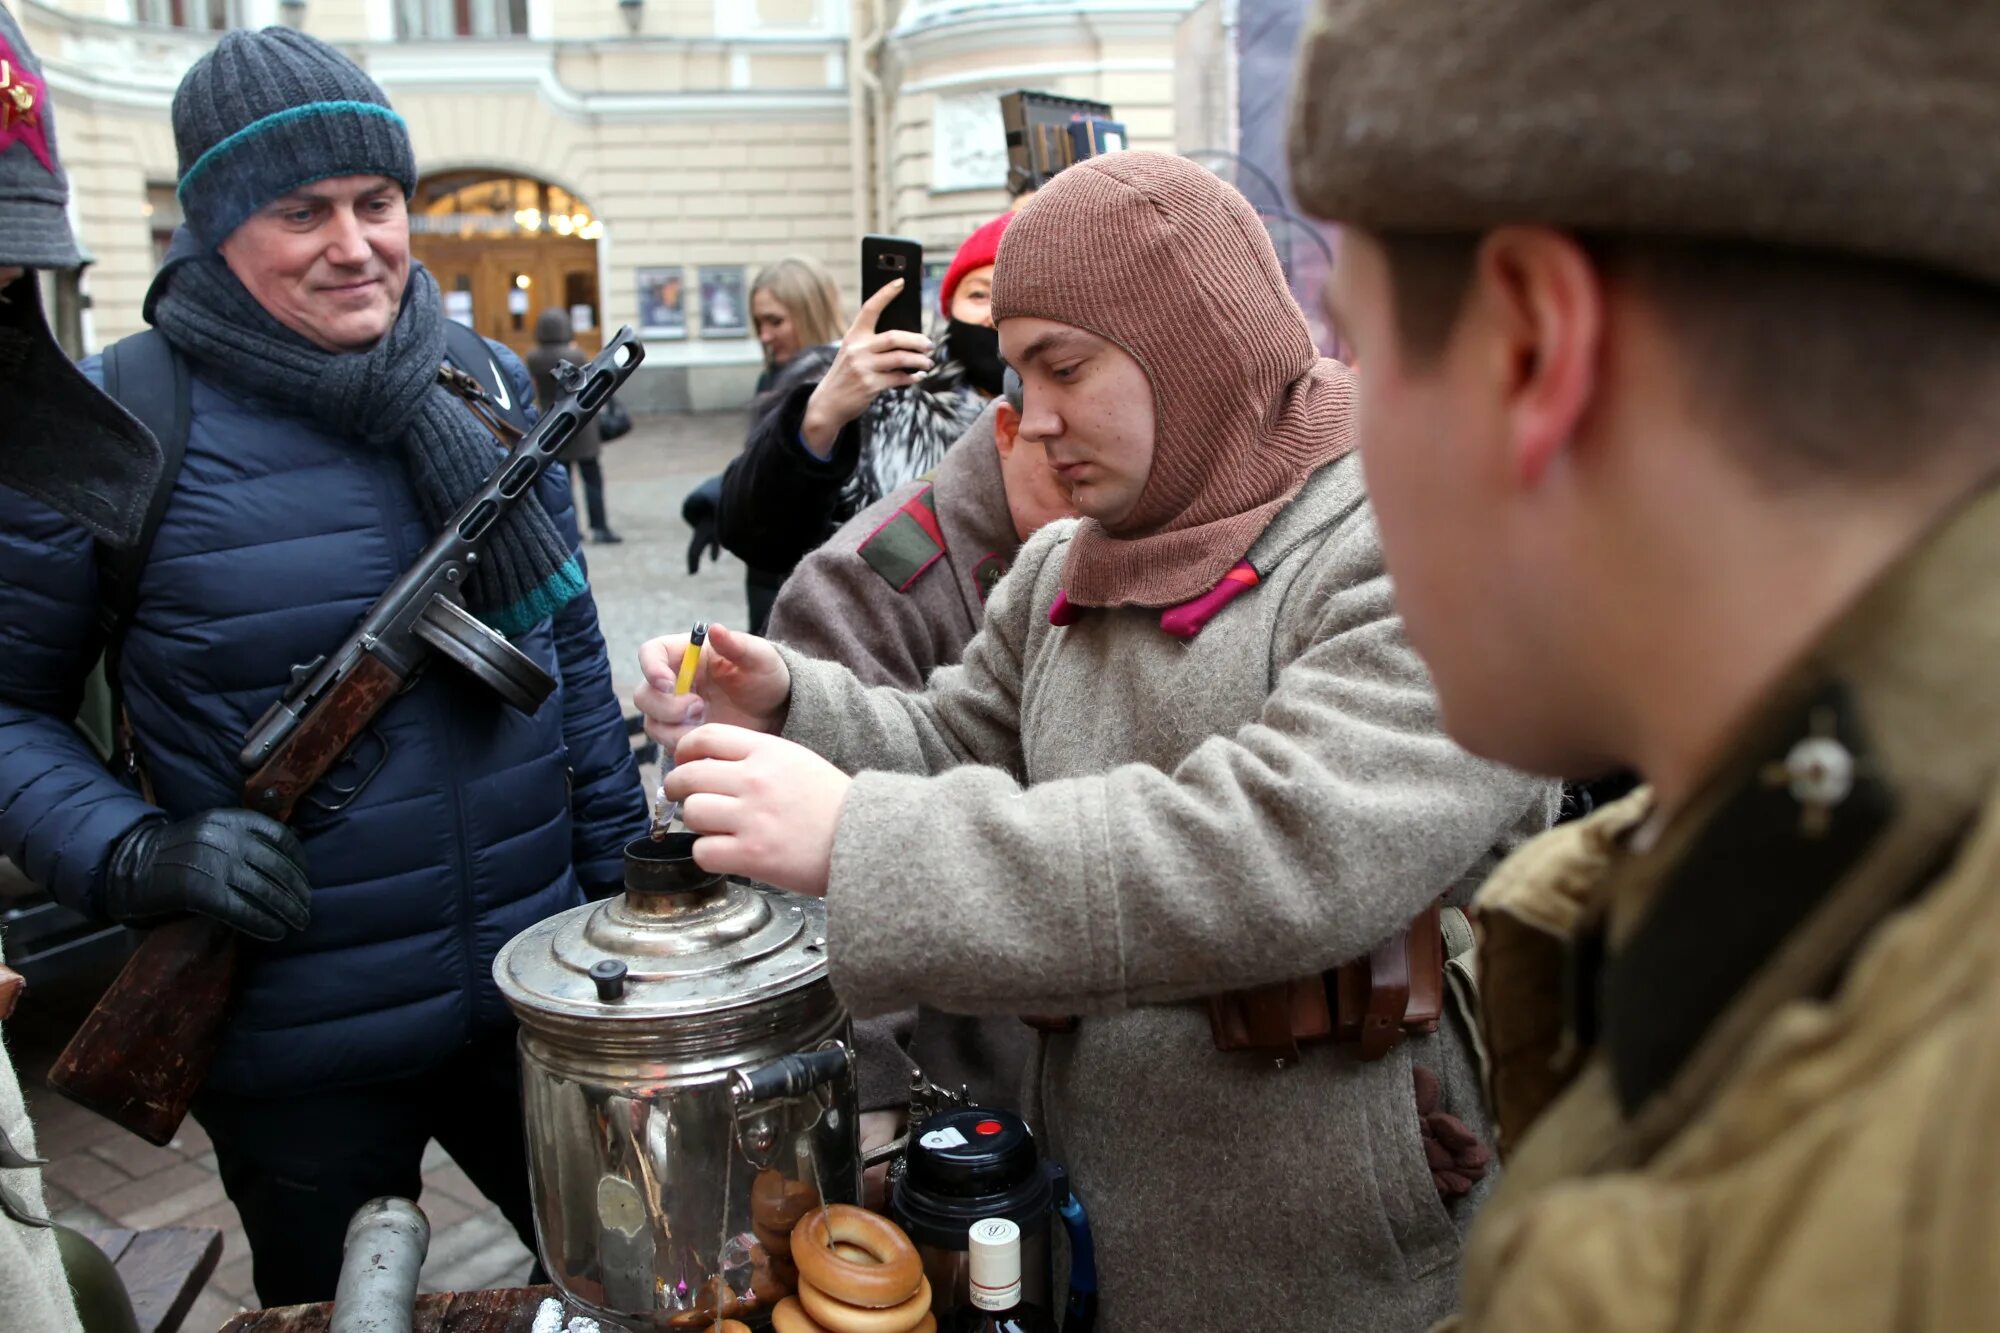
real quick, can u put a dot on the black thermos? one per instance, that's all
(964, 1166)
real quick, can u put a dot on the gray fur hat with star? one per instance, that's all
(34, 192)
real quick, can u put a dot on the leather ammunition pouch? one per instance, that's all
(1371, 1003)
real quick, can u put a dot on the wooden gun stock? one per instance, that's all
(143, 1052)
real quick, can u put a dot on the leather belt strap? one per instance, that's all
(1372, 1003)
(481, 403)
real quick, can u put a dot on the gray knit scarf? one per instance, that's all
(385, 397)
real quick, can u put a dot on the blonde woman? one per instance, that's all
(795, 308)
(794, 305)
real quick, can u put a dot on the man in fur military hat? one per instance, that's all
(1678, 346)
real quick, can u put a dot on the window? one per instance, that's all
(202, 15)
(461, 18)
(163, 214)
(478, 203)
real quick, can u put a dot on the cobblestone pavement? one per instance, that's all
(99, 1175)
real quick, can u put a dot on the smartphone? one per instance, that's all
(885, 259)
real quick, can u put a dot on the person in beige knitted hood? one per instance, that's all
(1189, 753)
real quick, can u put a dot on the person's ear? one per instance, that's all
(1006, 427)
(1543, 300)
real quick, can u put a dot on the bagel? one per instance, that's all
(791, 1317)
(888, 1282)
(838, 1317)
(777, 1202)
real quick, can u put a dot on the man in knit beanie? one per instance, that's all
(321, 454)
(1678, 332)
(1186, 771)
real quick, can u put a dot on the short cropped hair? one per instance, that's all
(1838, 367)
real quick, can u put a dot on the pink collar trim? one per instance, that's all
(1184, 621)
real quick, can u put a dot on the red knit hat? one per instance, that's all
(980, 249)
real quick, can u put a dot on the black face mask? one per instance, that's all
(977, 348)
(68, 444)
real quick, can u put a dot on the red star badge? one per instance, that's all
(21, 95)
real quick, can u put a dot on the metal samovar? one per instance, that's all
(680, 1044)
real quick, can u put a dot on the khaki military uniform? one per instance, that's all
(1775, 1102)
(897, 592)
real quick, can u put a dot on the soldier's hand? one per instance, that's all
(867, 363)
(244, 869)
(765, 807)
(740, 680)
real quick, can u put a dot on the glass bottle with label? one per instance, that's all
(994, 1254)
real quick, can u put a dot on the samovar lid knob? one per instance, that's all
(609, 975)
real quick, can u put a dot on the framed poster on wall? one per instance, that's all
(725, 305)
(663, 302)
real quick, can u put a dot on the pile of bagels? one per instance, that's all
(856, 1273)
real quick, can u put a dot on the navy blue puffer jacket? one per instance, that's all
(479, 822)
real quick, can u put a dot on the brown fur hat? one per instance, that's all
(1864, 127)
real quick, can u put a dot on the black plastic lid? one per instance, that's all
(967, 1164)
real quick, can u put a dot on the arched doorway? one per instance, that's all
(504, 248)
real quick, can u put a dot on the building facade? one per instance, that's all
(629, 161)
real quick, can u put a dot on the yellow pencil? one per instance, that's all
(690, 660)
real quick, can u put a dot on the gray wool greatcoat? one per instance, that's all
(1103, 820)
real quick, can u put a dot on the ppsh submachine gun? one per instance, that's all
(143, 1052)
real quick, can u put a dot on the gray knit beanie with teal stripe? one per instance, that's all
(266, 112)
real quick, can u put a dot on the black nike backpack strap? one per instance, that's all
(470, 353)
(151, 380)
(153, 383)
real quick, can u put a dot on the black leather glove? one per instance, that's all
(702, 510)
(704, 535)
(244, 869)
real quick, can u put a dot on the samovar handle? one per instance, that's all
(791, 1075)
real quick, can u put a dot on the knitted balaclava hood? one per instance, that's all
(1164, 259)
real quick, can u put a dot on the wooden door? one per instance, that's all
(502, 285)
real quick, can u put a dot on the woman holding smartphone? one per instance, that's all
(795, 309)
(844, 424)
